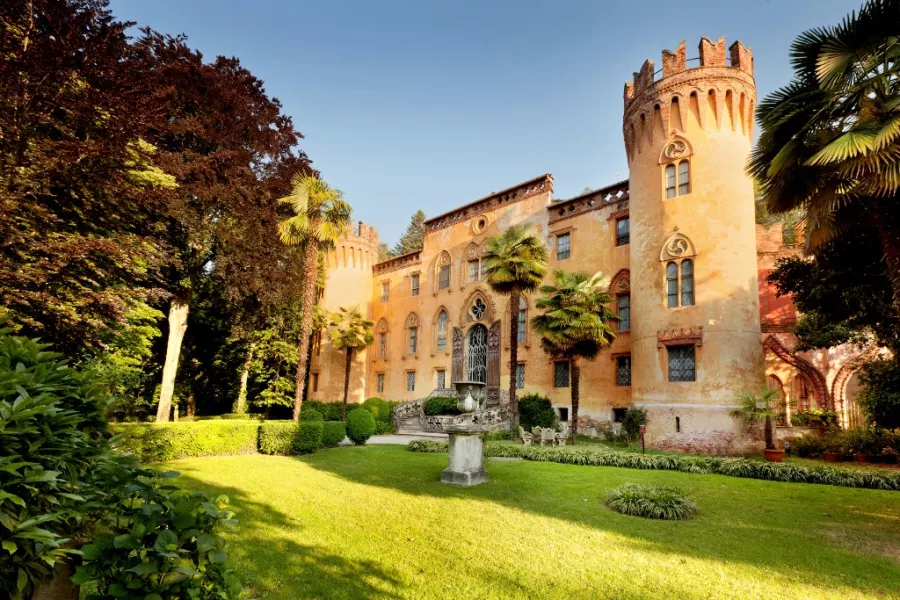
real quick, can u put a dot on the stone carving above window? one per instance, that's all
(478, 309)
(412, 320)
(621, 283)
(677, 246)
(675, 149)
(680, 336)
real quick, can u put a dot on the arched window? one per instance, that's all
(442, 323)
(381, 339)
(523, 320)
(476, 353)
(672, 285)
(684, 178)
(671, 182)
(412, 334)
(687, 282)
(442, 271)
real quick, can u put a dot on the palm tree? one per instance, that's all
(320, 216)
(757, 408)
(515, 263)
(830, 139)
(574, 323)
(349, 332)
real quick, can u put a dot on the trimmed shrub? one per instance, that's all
(308, 438)
(601, 456)
(311, 414)
(333, 433)
(153, 442)
(382, 428)
(440, 405)
(276, 437)
(360, 425)
(536, 411)
(379, 408)
(651, 501)
(632, 421)
(331, 411)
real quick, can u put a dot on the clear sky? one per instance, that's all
(432, 104)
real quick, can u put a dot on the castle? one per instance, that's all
(687, 266)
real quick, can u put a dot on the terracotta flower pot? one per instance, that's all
(774, 455)
(830, 456)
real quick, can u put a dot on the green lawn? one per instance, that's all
(375, 522)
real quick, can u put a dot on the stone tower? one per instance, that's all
(693, 245)
(348, 284)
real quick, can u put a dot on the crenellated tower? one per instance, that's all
(688, 130)
(348, 283)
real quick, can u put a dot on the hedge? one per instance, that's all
(331, 411)
(708, 465)
(167, 441)
(309, 438)
(441, 405)
(334, 433)
(275, 437)
(311, 414)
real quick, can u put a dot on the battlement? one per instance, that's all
(712, 54)
(366, 232)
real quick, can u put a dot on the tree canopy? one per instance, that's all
(414, 237)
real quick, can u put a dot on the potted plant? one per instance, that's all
(831, 447)
(755, 409)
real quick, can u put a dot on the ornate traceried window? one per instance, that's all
(442, 324)
(443, 271)
(682, 363)
(412, 334)
(478, 309)
(561, 374)
(623, 370)
(677, 254)
(477, 353)
(677, 170)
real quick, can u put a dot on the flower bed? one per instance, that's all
(708, 465)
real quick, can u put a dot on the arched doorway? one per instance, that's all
(477, 353)
(774, 383)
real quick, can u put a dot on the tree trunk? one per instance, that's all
(575, 377)
(311, 253)
(346, 383)
(770, 438)
(513, 364)
(890, 245)
(178, 315)
(241, 406)
(59, 587)
(191, 406)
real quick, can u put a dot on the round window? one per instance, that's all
(479, 224)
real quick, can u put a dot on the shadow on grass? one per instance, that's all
(270, 564)
(778, 527)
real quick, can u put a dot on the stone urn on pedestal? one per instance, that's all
(466, 462)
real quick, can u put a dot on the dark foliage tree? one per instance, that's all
(414, 237)
(81, 233)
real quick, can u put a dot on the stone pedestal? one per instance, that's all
(466, 466)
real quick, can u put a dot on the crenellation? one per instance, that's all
(674, 62)
(741, 57)
(712, 54)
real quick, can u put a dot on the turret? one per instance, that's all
(695, 307)
(348, 284)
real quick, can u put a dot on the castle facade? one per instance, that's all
(687, 267)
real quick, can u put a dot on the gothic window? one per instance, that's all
(561, 374)
(563, 248)
(670, 181)
(684, 178)
(412, 334)
(672, 285)
(478, 309)
(623, 370)
(443, 271)
(520, 376)
(382, 336)
(441, 379)
(623, 231)
(474, 270)
(682, 363)
(523, 320)
(678, 178)
(414, 285)
(442, 324)
(687, 282)
(410, 381)
(477, 353)
(623, 309)
(379, 383)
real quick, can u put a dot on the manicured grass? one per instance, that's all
(375, 522)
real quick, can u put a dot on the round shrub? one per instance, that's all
(441, 405)
(360, 426)
(311, 414)
(652, 502)
(379, 408)
(308, 438)
(536, 411)
(334, 433)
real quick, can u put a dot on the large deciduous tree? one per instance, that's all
(319, 217)
(574, 324)
(830, 139)
(515, 264)
(350, 332)
(81, 202)
(232, 152)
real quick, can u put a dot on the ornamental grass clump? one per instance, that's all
(652, 502)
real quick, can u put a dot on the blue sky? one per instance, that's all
(432, 104)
